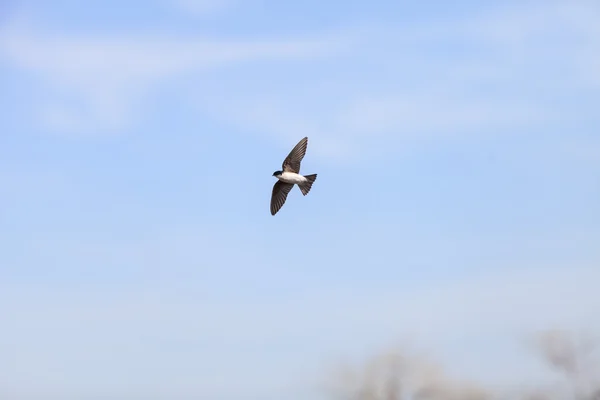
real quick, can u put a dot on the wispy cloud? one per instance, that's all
(99, 79)
(509, 70)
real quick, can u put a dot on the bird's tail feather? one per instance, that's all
(306, 186)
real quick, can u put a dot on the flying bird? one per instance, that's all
(290, 176)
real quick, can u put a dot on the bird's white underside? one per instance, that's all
(291, 177)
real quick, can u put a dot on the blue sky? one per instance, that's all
(457, 204)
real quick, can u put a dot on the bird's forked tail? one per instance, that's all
(305, 186)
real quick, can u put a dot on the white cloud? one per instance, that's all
(399, 85)
(110, 74)
(357, 124)
(420, 83)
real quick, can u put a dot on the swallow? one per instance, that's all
(290, 176)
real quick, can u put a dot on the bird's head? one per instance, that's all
(277, 173)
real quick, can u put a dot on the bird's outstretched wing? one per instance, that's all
(292, 161)
(279, 195)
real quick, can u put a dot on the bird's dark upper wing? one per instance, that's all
(279, 195)
(292, 161)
